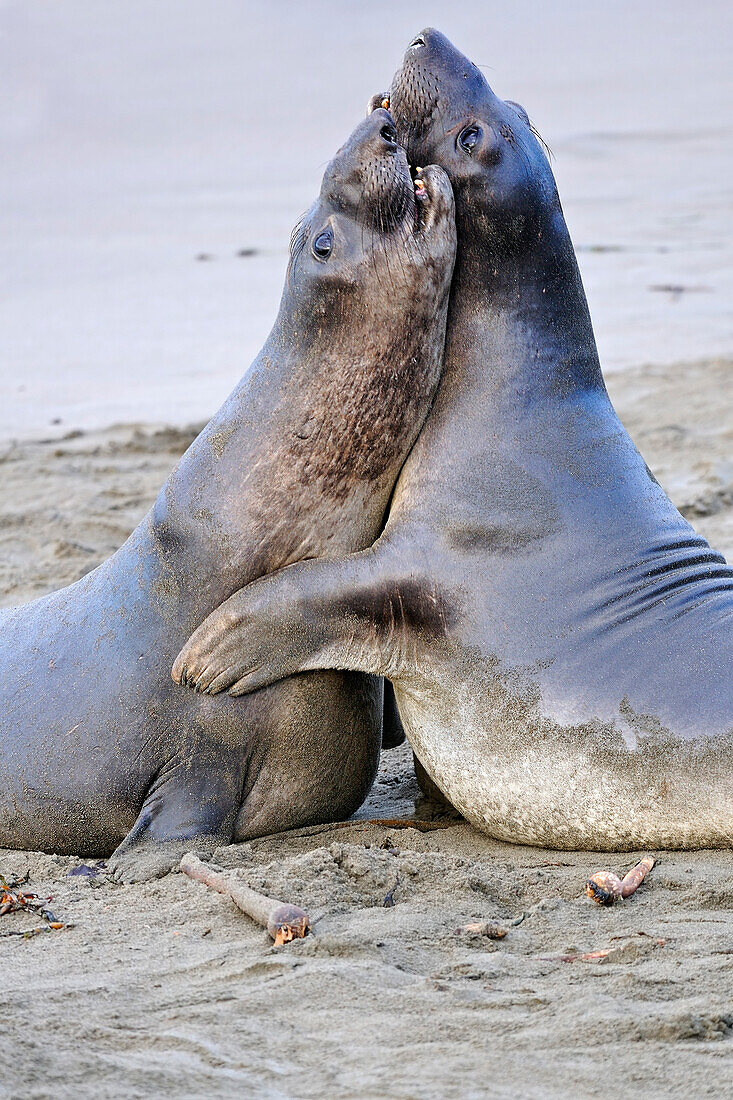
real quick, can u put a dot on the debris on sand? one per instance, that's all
(284, 922)
(605, 887)
(87, 870)
(489, 928)
(15, 900)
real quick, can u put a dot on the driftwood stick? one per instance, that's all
(284, 922)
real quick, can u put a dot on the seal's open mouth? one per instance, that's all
(416, 174)
(420, 193)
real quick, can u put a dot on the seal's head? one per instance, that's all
(445, 112)
(361, 328)
(376, 229)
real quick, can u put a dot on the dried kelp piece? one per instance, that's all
(13, 900)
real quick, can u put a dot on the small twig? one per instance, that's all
(490, 929)
(284, 922)
(606, 887)
(610, 953)
(587, 956)
(29, 933)
(402, 823)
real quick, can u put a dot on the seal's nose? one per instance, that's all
(375, 138)
(427, 37)
(428, 43)
(384, 133)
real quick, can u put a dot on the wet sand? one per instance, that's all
(164, 989)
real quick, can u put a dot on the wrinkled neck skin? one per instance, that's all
(521, 381)
(299, 462)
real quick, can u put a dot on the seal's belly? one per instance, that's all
(522, 777)
(83, 722)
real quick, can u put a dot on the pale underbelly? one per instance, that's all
(525, 779)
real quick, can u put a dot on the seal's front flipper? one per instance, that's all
(140, 858)
(192, 804)
(355, 613)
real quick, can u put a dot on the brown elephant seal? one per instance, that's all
(559, 638)
(100, 750)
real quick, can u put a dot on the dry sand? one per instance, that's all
(165, 989)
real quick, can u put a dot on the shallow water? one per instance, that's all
(156, 155)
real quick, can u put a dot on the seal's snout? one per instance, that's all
(434, 200)
(375, 136)
(369, 176)
(373, 143)
(434, 84)
(381, 132)
(427, 42)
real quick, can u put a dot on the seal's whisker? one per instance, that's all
(548, 151)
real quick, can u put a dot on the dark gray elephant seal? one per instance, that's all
(559, 638)
(99, 748)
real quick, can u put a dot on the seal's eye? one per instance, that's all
(323, 244)
(468, 138)
(417, 41)
(389, 134)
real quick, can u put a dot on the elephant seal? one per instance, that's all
(99, 749)
(559, 638)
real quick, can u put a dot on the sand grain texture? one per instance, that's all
(166, 989)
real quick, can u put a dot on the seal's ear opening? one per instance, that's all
(519, 109)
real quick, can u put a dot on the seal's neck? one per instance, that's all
(524, 314)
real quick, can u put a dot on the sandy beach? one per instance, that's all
(164, 989)
(158, 155)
